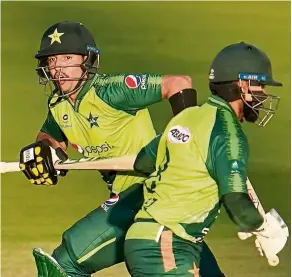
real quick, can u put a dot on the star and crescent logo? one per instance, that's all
(92, 120)
(55, 36)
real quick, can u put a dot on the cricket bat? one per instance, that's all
(253, 196)
(125, 163)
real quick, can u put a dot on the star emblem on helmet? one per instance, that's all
(92, 120)
(55, 36)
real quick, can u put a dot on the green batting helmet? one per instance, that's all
(66, 38)
(242, 61)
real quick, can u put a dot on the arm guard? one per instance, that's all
(183, 99)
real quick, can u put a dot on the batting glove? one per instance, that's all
(37, 163)
(271, 237)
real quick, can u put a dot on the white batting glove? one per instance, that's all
(271, 237)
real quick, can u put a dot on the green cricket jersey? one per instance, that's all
(201, 156)
(108, 119)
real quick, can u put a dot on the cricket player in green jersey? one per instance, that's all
(100, 116)
(200, 163)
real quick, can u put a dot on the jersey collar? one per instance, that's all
(88, 84)
(219, 102)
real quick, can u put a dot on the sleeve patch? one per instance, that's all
(134, 81)
(179, 134)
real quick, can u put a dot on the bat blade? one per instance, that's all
(124, 163)
(253, 196)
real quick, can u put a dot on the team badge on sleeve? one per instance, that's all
(179, 134)
(133, 81)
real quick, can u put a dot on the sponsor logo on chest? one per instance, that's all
(179, 134)
(64, 123)
(92, 149)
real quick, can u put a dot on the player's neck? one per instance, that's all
(237, 107)
(73, 96)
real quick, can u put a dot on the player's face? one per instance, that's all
(254, 98)
(65, 70)
(247, 87)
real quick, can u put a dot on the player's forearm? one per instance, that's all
(172, 84)
(242, 211)
(42, 136)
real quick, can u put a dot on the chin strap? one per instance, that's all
(229, 92)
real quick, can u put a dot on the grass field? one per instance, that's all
(163, 37)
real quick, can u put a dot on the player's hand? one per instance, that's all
(37, 163)
(271, 237)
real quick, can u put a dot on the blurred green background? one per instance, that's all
(162, 37)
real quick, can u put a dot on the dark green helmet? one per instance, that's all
(66, 38)
(242, 61)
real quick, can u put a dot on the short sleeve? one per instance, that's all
(51, 128)
(146, 158)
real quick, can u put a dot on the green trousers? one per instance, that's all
(97, 241)
(152, 250)
(168, 257)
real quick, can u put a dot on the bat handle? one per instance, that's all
(9, 167)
